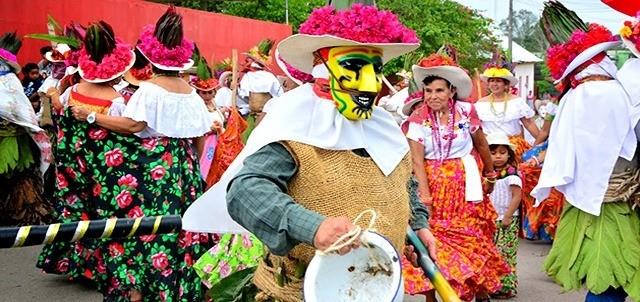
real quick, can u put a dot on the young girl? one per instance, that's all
(506, 197)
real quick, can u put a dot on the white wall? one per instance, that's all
(526, 83)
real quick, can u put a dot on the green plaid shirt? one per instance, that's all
(257, 199)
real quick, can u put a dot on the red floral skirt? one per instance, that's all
(466, 254)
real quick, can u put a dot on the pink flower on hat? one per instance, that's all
(361, 23)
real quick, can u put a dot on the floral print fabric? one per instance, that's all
(538, 223)
(466, 254)
(102, 174)
(507, 241)
(233, 253)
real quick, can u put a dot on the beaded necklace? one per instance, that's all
(449, 134)
(504, 107)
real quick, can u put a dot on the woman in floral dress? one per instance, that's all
(154, 172)
(442, 135)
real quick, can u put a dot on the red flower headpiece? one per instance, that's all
(143, 74)
(437, 59)
(361, 23)
(117, 62)
(206, 85)
(631, 31)
(560, 56)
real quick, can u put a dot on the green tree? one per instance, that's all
(526, 31)
(435, 21)
(444, 21)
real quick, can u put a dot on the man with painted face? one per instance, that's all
(322, 155)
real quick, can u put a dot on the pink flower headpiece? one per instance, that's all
(112, 65)
(560, 56)
(159, 54)
(361, 23)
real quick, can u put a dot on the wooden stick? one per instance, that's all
(234, 79)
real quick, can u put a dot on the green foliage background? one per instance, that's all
(435, 21)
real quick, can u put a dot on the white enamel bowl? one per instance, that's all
(353, 277)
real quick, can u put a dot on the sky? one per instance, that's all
(587, 10)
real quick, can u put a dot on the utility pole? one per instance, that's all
(510, 34)
(286, 11)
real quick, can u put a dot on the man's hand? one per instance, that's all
(330, 230)
(428, 240)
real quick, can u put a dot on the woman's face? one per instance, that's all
(497, 85)
(437, 94)
(206, 95)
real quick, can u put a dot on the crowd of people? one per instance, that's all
(267, 169)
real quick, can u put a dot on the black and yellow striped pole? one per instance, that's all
(88, 229)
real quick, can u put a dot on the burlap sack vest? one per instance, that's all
(335, 183)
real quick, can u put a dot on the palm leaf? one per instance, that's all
(264, 47)
(558, 22)
(169, 28)
(51, 21)
(72, 42)
(10, 42)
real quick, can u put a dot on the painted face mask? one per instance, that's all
(356, 79)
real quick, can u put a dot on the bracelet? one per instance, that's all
(490, 180)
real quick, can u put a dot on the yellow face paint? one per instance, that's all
(355, 79)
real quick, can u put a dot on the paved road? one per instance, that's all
(21, 281)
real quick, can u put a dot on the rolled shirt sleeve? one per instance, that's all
(257, 199)
(419, 213)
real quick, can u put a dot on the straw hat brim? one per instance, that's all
(455, 75)
(284, 68)
(406, 109)
(49, 56)
(184, 66)
(499, 139)
(297, 50)
(585, 56)
(115, 76)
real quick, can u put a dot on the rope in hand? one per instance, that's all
(356, 234)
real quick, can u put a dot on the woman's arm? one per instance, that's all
(54, 95)
(118, 124)
(544, 132)
(481, 145)
(531, 126)
(516, 196)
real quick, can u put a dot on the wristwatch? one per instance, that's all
(91, 118)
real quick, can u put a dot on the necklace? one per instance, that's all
(437, 137)
(504, 106)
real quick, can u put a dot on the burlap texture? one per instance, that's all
(335, 184)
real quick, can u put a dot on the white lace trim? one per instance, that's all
(167, 113)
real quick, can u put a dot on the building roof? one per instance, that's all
(520, 55)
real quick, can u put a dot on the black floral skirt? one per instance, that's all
(102, 174)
